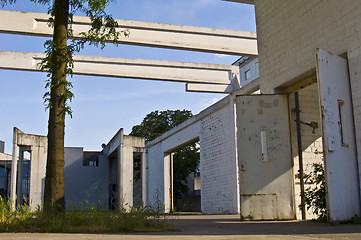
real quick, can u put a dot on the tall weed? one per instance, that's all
(89, 219)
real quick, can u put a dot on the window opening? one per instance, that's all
(341, 126)
(247, 74)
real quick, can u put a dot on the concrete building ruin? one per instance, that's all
(253, 145)
(92, 176)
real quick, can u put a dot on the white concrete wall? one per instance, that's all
(155, 172)
(129, 146)
(85, 183)
(287, 48)
(251, 66)
(218, 165)
(38, 147)
(289, 32)
(355, 79)
(219, 185)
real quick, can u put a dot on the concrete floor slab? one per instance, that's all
(219, 227)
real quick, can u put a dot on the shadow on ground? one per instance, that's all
(231, 225)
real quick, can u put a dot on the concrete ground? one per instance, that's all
(218, 227)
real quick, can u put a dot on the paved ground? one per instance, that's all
(219, 227)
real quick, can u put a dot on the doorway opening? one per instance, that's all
(307, 148)
(186, 178)
(137, 179)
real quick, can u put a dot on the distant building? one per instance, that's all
(103, 178)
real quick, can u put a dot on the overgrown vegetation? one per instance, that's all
(87, 220)
(315, 195)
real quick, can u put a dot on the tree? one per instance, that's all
(158, 122)
(186, 159)
(59, 63)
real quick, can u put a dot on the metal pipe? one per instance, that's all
(300, 157)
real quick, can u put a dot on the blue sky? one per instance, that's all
(103, 105)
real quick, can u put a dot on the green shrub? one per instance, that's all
(315, 195)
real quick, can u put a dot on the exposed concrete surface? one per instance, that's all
(218, 227)
(171, 36)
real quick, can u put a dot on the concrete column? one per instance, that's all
(20, 177)
(13, 170)
(119, 178)
(125, 173)
(233, 106)
(144, 168)
(167, 183)
(171, 194)
(37, 173)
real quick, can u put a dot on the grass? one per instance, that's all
(87, 220)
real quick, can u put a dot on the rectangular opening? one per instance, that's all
(247, 74)
(341, 126)
(264, 146)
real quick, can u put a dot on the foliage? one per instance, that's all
(158, 122)
(356, 220)
(9, 216)
(103, 29)
(315, 195)
(88, 220)
(185, 160)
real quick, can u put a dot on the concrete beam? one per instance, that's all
(5, 157)
(143, 33)
(210, 88)
(241, 1)
(130, 68)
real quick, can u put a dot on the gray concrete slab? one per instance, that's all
(218, 227)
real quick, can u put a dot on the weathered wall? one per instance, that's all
(85, 183)
(155, 172)
(289, 32)
(355, 79)
(218, 165)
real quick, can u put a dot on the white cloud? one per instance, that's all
(221, 55)
(209, 101)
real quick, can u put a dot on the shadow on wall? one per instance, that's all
(85, 181)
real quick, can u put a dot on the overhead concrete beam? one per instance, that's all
(130, 68)
(171, 36)
(241, 1)
(5, 157)
(209, 88)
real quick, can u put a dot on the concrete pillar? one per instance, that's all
(233, 106)
(144, 178)
(119, 179)
(168, 183)
(13, 170)
(2, 146)
(37, 172)
(20, 177)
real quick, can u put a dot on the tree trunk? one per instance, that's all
(54, 197)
